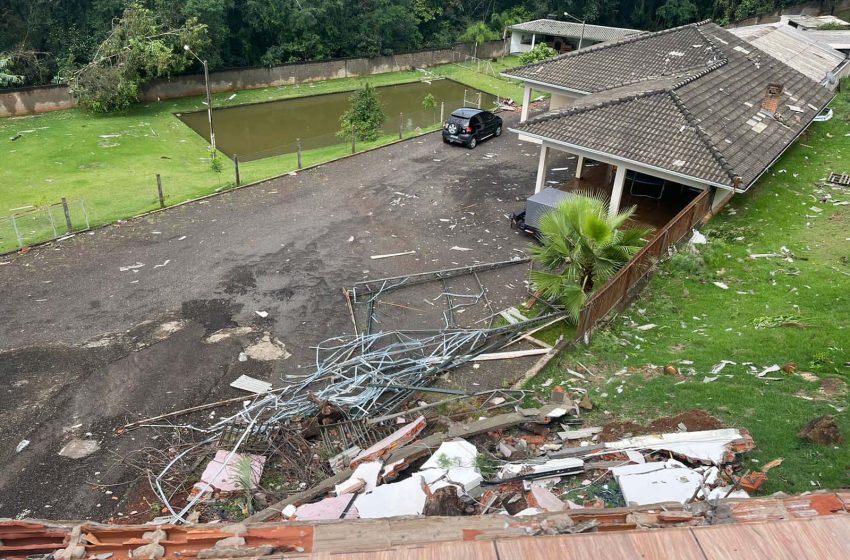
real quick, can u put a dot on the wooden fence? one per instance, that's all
(617, 289)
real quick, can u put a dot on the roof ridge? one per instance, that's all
(592, 106)
(701, 134)
(608, 44)
(686, 79)
(717, 50)
(573, 23)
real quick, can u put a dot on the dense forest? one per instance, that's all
(42, 39)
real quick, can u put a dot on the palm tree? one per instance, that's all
(581, 248)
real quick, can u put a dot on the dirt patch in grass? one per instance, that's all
(832, 386)
(693, 420)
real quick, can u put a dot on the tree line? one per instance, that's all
(43, 40)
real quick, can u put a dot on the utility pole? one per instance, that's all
(583, 23)
(209, 96)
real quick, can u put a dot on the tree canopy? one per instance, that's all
(364, 115)
(67, 35)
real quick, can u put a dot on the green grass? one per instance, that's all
(111, 161)
(483, 81)
(701, 323)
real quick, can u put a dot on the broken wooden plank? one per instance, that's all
(388, 255)
(582, 433)
(510, 355)
(542, 362)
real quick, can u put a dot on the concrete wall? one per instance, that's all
(26, 101)
(288, 74)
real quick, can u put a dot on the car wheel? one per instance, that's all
(472, 143)
(499, 130)
(446, 141)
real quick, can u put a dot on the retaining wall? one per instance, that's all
(26, 101)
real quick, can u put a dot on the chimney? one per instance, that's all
(771, 98)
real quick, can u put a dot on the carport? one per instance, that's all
(657, 196)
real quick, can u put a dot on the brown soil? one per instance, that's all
(833, 386)
(694, 420)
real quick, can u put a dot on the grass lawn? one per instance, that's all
(111, 161)
(776, 311)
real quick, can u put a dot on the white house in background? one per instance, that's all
(801, 50)
(810, 23)
(563, 36)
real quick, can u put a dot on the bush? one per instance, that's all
(540, 52)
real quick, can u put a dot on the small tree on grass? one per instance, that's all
(540, 52)
(581, 249)
(430, 104)
(364, 113)
(478, 33)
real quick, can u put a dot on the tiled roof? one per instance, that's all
(570, 29)
(632, 59)
(696, 113)
(797, 49)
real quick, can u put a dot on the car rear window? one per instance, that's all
(458, 120)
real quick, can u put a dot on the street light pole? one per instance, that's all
(209, 97)
(583, 23)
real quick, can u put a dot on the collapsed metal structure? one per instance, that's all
(362, 376)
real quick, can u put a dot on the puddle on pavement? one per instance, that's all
(263, 130)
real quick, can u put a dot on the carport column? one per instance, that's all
(579, 166)
(526, 100)
(541, 168)
(533, 39)
(617, 190)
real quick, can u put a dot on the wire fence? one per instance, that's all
(179, 181)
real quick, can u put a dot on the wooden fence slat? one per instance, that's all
(617, 288)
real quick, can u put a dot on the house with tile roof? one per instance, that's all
(800, 50)
(690, 108)
(563, 36)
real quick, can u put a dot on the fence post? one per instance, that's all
(85, 212)
(400, 125)
(159, 191)
(298, 141)
(52, 222)
(353, 139)
(67, 214)
(236, 167)
(17, 233)
(442, 111)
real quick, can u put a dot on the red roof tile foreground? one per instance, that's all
(812, 526)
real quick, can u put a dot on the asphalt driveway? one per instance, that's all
(114, 325)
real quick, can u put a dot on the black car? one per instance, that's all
(469, 126)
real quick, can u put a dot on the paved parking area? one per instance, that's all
(113, 326)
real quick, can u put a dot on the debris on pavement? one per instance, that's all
(388, 255)
(79, 448)
(248, 383)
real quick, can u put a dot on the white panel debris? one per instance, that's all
(709, 445)
(252, 385)
(391, 500)
(654, 483)
(364, 478)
